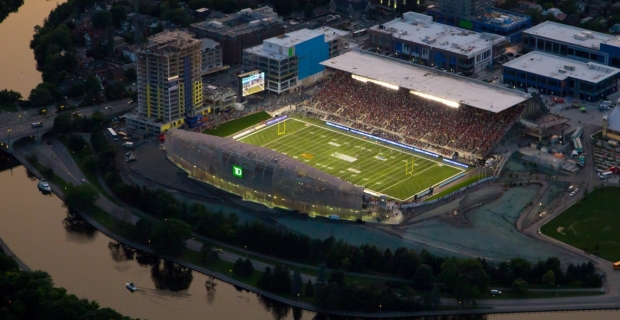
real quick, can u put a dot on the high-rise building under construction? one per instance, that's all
(169, 82)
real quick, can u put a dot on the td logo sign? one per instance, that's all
(237, 171)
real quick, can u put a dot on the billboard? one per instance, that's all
(251, 82)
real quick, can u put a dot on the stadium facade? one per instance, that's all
(261, 175)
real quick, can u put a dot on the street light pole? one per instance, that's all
(8, 140)
(246, 252)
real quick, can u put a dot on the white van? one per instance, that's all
(496, 292)
(605, 175)
(128, 144)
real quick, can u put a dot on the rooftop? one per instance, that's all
(294, 38)
(168, 41)
(573, 35)
(426, 80)
(241, 22)
(419, 28)
(208, 44)
(614, 120)
(560, 68)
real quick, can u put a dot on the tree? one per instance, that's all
(337, 276)
(321, 278)
(296, 283)
(423, 278)
(81, 197)
(130, 75)
(63, 123)
(168, 237)
(520, 287)
(309, 10)
(8, 97)
(114, 91)
(208, 255)
(118, 15)
(309, 289)
(143, 229)
(76, 142)
(520, 267)
(101, 19)
(40, 96)
(549, 278)
(92, 87)
(464, 277)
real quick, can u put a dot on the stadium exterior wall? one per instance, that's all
(266, 176)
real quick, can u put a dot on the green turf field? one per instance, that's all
(228, 128)
(590, 223)
(363, 162)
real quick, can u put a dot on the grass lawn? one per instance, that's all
(11, 107)
(234, 126)
(591, 223)
(541, 295)
(396, 172)
(457, 186)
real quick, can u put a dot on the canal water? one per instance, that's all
(90, 265)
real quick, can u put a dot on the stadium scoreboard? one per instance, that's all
(251, 82)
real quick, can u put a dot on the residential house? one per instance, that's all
(524, 5)
(94, 37)
(350, 9)
(130, 52)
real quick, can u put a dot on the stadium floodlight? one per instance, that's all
(381, 83)
(449, 103)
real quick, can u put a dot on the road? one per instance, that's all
(17, 125)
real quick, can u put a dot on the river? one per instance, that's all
(19, 69)
(90, 265)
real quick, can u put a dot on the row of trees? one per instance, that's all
(9, 6)
(32, 295)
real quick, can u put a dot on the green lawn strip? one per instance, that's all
(508, 295)
(11, 107)
(78, 157)
(52, 178)
(455, 187)
(231, 127)
(592, 224)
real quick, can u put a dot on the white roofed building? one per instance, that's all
(415, 37)
(558, 76)
(294, 59)
(573, 42)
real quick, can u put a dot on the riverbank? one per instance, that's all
(21, 156)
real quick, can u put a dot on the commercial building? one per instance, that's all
(169, 82)
(241, 30)
(294, 59)
(417, 38)
(467, 9)
(558, 76)
(572, 42)
(211, 53)
(611, 125)
(218, 99)
(261, 175)
(496, 21)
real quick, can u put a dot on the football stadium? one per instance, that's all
(379, 128)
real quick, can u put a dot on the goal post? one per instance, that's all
(281, 128)
(409, 169)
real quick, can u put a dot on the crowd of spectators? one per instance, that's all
(413, 120)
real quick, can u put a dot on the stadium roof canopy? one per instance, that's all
(427, 81)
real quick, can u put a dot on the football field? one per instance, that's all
(381, 168)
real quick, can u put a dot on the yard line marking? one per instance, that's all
(354, 171)
(333, 144)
